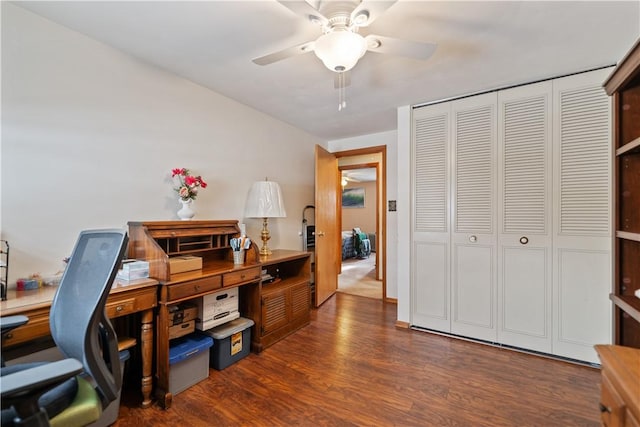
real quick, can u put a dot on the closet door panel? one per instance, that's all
(524, 312)
(431, 286)
(582, 208)
(473, 286)
(430, 218)
(474, 291)
(524, 235)
(580, 319)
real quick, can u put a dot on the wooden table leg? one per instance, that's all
(162, 357)
(146, 338)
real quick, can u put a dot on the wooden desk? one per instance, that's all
(158, 241)
(620, 394)
(139, 296)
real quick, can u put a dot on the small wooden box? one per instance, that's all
(182, 313)
(182, 263)
(182, 329)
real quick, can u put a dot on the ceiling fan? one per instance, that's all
(340, 46)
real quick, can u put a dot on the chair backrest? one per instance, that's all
(78, 322)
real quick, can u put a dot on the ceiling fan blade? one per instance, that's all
(285, 53)
(382, 44)
(304, 9)
(368, 11)
(346, 79)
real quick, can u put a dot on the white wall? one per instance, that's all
(388, 139)
(403, 167)
(89, 136)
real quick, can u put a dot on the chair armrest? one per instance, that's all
(8, 323)
(38, 378)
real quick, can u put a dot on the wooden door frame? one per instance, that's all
(381, 212)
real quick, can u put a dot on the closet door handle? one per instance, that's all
(320, 233)
(473, 239)
(524, 240)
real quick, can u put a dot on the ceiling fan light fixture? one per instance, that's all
(340, 50)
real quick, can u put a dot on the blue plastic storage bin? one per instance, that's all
(189, 361)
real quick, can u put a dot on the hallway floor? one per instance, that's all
(358, 278)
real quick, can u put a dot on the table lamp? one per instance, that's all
(265, 201)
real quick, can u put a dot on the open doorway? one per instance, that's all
(359, 219)
(362, 217)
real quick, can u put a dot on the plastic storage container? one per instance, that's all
(110, 413)
(232, 342)
(189, 361)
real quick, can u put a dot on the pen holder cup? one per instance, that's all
(238, 257)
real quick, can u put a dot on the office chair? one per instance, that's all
(73, 391)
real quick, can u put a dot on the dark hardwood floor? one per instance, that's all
(352, 366)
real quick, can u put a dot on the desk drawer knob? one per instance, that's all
(604, 408)
(242, 276)
(9, 335)
(196, 287)
(119, 308)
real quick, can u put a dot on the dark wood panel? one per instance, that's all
(629, 110)
(629, 257)
(629, 193)
(629, 270)
(352, 366)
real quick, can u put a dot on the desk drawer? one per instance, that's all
(241, 276)
(37, 327)
(193, 287)
(121, 305)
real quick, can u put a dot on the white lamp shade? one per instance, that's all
(265, 201)
(340, 50)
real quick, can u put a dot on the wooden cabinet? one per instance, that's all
(620, 392)
(284, 304)
(624, 86)
(157, 241)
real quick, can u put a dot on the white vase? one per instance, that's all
(186, 212)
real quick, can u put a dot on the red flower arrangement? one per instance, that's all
(187, 184)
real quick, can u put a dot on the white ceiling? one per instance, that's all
(481, 46)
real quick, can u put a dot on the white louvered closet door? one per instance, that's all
(473, 238)
(430, 218)
(582, 208)
(524, 210)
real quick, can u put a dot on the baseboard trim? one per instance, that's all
(402, 325)
(507, 347)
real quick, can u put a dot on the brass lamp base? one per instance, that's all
(264, 234)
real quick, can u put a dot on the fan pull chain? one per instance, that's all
(342, 103)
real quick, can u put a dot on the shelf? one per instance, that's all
(627, 303)
(628, 236)
(280, 283)
(193, 251)
(631, 147)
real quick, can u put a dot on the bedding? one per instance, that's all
(348, 246)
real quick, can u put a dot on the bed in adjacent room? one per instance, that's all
(350, 244)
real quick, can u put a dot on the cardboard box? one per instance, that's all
(182, 263)
(181, 329)
(182, 313)
(217, 308)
